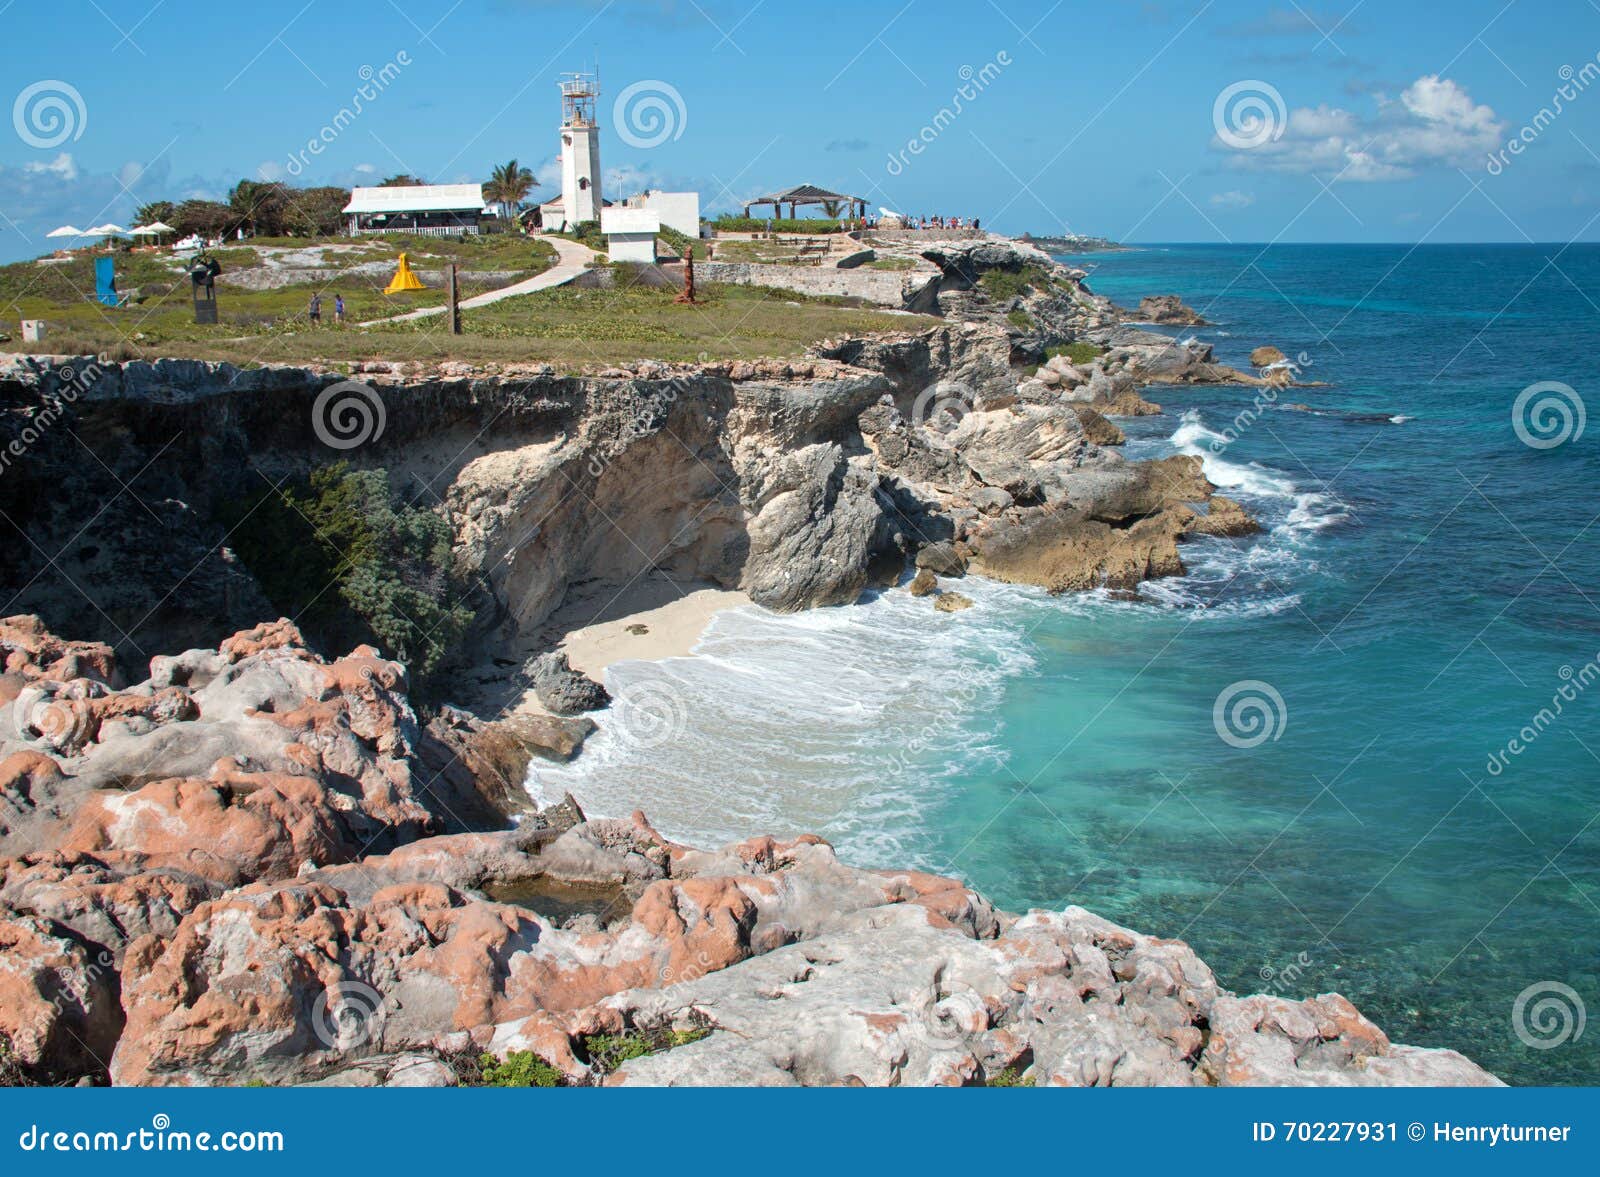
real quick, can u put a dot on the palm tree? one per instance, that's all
(508, 186)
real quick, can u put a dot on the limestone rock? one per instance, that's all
(1096, 428)
(1168, 308)
(952, 602)
(562, 689)
(1225, 517)
(924, 583)
(1265, 356)
(941, 558)
(816, 526)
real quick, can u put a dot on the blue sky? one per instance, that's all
(1373, 121)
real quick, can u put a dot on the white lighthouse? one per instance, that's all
(580, 149)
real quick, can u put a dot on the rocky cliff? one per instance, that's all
(254, 865)
(800, 482)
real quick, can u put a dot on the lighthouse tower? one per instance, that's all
(580, 149)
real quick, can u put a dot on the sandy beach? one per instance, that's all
(603, 622)
(651, 619)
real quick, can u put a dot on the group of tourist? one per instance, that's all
(942, 223)
(851, 224)
(314, 311)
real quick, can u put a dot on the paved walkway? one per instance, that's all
(571, 260)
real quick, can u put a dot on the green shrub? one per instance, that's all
(520, 1068)
(350, 563)
(586, 233)
(732, 224)
(607, 1052)
(1011, 1077)
(1004, 285)
(1020, 318)
(678, 241)
(1079, 352)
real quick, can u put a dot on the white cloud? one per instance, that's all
(61, 167)
(1233, 199)
(1433, 123)
(366, 169)
(269, 170)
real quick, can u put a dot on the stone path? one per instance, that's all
(571, 260)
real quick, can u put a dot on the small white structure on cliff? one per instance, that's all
(631, 234)
(678, 210)
(580, 151)
(427, 210)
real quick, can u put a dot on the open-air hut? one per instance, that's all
(797, 198)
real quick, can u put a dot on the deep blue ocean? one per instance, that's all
(1378, 807)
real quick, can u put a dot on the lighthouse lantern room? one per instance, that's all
(580, 149)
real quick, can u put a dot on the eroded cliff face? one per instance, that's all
(777, 478)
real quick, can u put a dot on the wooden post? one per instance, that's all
(454, 303)
(687, 297)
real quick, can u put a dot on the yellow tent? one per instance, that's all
(404, 279)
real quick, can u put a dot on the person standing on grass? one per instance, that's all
(315, 311)
(338, 308)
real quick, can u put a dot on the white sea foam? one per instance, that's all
(854, 722)
(847, 722)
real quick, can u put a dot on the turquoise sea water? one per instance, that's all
(1427, 584)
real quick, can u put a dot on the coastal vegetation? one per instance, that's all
(1002, 285)
(520, 1068)
(263, 289)
(352, 562)
(733, 224)
(603, 1052)
(569, 327)
(1080, 351)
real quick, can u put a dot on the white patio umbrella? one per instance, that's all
(106, 231)
(66, 231)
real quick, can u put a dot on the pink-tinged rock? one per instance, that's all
(58, 1005)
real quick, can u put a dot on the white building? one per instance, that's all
(580, 151)
(678, 210)
(428, 210)
(631, 234)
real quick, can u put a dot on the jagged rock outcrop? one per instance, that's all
(1168, 308)
(237, 927)
(562, 689)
